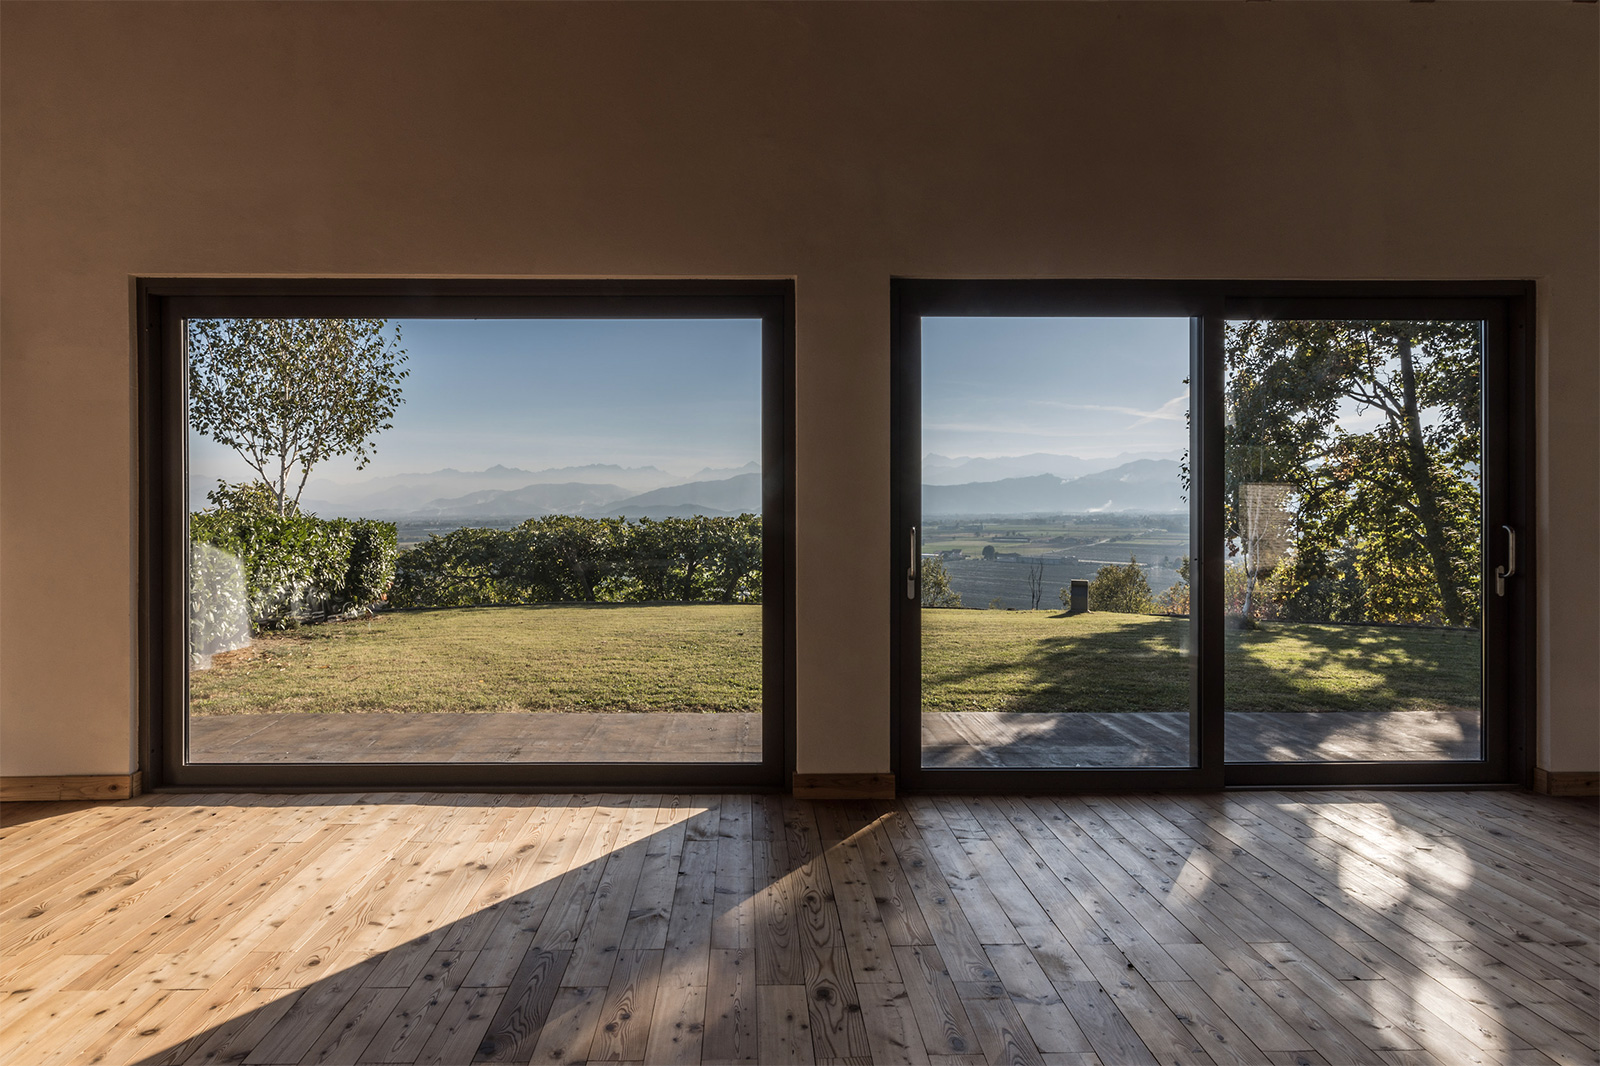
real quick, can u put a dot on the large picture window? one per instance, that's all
(516, 534)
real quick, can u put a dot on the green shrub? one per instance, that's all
(935, 585)
(564, 558)
(1121, 590)
(374, 546)
(295, 565)
(462, 568)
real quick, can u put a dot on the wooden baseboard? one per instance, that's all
(1566, 782)
(94, 787)
(842, 786)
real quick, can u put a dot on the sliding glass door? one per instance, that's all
(1054, 533)
(1177, 535)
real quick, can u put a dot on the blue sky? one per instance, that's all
(678, 394)
(1089, 387)
(685, 394)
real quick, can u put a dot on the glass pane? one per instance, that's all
(1354, 577)
(1055, 540)
(475, 541)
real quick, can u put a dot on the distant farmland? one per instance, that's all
(980, 581)
(1071, 546)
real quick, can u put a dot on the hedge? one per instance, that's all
(562, 558)
(295, 566)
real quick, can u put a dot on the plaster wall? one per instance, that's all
(839, 144)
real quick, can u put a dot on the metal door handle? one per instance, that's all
(911, 568)
(1501, 572)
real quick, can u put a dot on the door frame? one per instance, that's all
(162, 304)
(1506, 308)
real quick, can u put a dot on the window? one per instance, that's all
(467, 533)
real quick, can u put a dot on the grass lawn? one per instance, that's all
(590, 657)
(706, 657)
(1104, 663)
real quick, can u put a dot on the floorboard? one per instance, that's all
(1309, 928)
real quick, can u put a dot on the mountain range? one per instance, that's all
(424, 494)
(722, 496)
(1141, 485)
(717, 496)
(1013, 485)
(962, 470)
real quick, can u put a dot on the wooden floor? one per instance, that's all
(1385, 927)
(949, 739)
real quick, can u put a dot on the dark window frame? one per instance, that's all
(161, 304)
(1506, 307)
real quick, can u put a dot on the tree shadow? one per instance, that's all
(640, 929)
(524, 968)
(1136, 664)
(1142, 663)
(1299, 666)
(1438, 911)
(1117, 693)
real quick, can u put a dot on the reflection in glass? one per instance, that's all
(1055, 542)
(1353, 451)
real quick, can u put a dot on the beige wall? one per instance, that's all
(839, 144)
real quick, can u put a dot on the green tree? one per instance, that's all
(1121, 590)
(735, 568)
(936, 591)
(989, 553)
(1383, 521)
(289, 393)
(463, 568)
(1175, 599)
(580, 552)
(689, 547)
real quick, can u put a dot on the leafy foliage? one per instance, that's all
(462, 568)
(374, 547)
(294, 565)
(562, 558)
(1240, 597)
(936, 590)
(1175, 598)
(1119, 589)
(1383, 522)
(289, 393)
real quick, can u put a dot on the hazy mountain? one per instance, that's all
(404, 494)
(714, 473)
(722, 496)
(943, 470)
(734, 495)
(1142, 485)
(680, 510)
(530, 501)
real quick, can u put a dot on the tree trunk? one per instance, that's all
(1422, 483)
